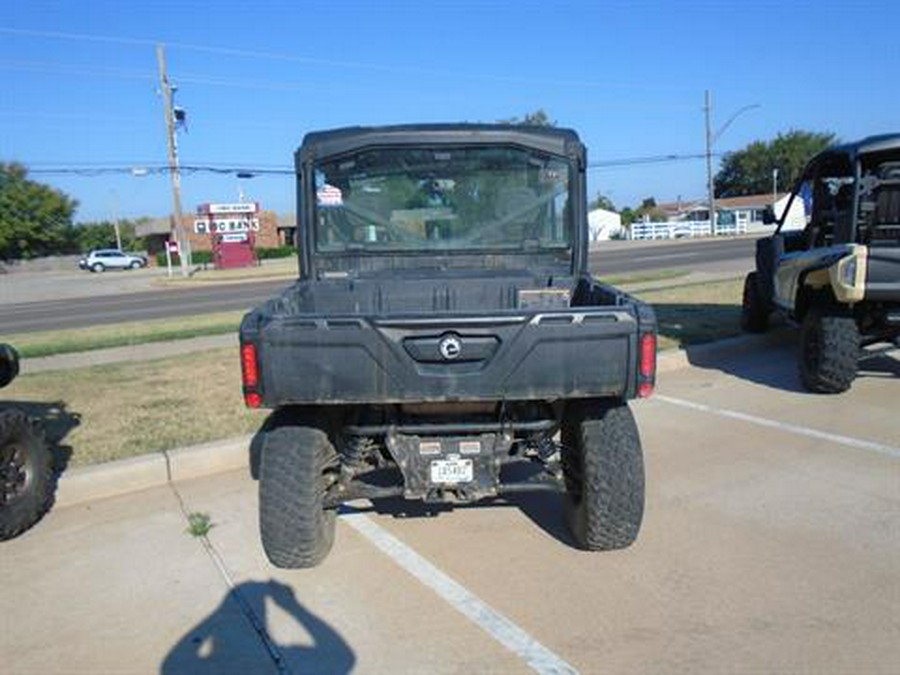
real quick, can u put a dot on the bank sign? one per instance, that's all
(231, 208)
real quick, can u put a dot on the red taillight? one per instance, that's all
(647, 364)
(249, 369)
(250, 375)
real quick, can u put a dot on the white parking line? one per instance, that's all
(858, 443)
(511, 636)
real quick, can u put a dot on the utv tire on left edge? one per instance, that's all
(26, 473)
(295, 462)
(604, 472)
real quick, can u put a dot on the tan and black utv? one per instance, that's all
(833, 264)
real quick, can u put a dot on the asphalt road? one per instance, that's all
(612, 259)
(630, 257)
(770, 544)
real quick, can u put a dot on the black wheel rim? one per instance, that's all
(14, 473)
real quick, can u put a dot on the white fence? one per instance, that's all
(684, 228)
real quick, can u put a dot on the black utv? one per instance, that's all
(445, 341)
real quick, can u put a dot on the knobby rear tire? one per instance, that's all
(296, 531)
(829, 351)
(604, 471)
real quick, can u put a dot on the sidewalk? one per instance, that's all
(142, 352)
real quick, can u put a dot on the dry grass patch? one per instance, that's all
(135, 408)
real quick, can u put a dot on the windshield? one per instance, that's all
(443, 199)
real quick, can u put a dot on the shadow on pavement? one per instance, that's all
(216, 645)
(774, 361)
(544, 509)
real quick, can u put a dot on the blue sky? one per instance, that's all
(79, 82)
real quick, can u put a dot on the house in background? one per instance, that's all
(744, 213)
(603, 224)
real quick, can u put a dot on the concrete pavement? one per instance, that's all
(771, 544)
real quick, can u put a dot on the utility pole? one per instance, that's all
(115, 196)
(709, 176)
(184, 246)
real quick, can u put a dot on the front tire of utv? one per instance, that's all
(829, 357)
(754, 312)
(26, 474)
(604, 473)
(295, 467)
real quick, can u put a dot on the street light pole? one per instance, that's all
(711, 197)
(711, 138)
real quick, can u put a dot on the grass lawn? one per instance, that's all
(116, 411)
(121, 410)
(696, 313)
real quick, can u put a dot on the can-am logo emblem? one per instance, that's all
(450, 347)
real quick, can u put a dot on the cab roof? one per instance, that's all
(868, 145)
(552, 140)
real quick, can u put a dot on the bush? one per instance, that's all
(277, 252)
(205, 257)
(197, 257)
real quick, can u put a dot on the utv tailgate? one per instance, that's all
(576, 353)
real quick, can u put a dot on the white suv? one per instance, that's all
(111, 258)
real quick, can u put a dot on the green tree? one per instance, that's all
(749, 171)
(35, 219)
(538, 118)
(92, 235)
(648, 209)
(602, 202)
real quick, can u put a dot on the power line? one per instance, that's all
(50, 67)
(336, 63)
(89, 170)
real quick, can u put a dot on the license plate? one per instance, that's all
(451, 471)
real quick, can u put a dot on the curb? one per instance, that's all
(123, 476)
(147, 471)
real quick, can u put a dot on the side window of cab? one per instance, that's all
(831, 213)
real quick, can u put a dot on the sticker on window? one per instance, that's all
(328, 195)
